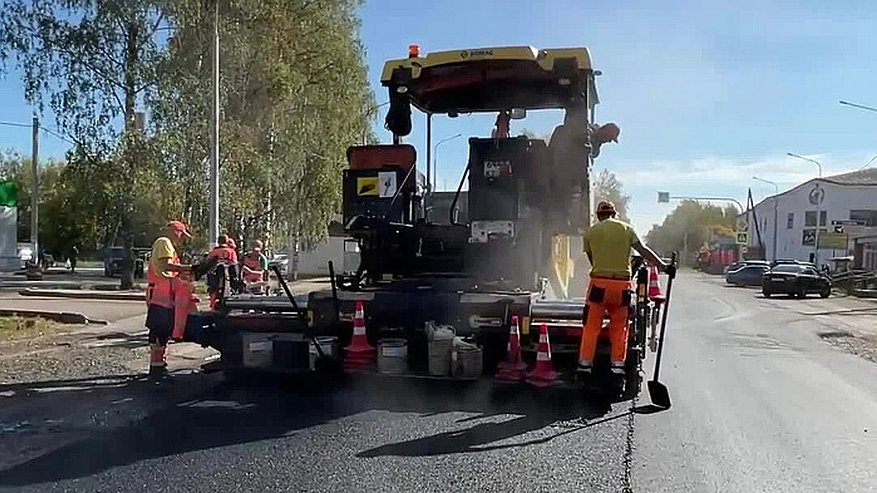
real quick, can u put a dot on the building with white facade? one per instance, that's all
(846, 208)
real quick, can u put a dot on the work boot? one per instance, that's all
(159, 374)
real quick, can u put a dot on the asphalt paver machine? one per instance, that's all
(506, 243)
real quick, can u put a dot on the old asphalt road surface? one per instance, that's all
(761, 403)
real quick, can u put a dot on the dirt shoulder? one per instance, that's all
(62, 383)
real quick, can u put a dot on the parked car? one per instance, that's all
(742, 263)
(795, 280)
(281, 260)
(113, 263)
(746, 275)
(790, 261)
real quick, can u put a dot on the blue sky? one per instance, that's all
(706, 94)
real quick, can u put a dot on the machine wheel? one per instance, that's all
(825, 293)
(766, 293)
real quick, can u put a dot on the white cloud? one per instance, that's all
(718, 177)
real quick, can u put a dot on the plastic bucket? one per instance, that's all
(329, 345)
(440, 356)
(393, 356)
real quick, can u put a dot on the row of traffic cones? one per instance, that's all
(543, 375)
(515, 370)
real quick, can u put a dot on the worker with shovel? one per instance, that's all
(608, 245)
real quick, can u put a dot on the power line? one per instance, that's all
(44, 129)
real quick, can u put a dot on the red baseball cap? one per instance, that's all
(179, 227)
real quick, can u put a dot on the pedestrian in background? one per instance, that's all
(74, 252)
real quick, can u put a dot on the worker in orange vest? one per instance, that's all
(227, 256)
(162, 278)
(608, 245)
(255, 268)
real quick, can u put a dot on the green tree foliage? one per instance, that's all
(691, 224)
(608, 187)
(294, 97)
(91, 62)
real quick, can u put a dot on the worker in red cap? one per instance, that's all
(608, 245)
(162, 276)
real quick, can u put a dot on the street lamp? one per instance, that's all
(435, 157)
(776, 225)
(664, 197)
(855, 105)
(367, 113)
(818, 205)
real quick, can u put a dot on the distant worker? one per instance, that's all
(227, 257)
(255, 268)
(608, 245)
(74, 252)
(162, 278)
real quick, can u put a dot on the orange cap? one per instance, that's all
(179, 227)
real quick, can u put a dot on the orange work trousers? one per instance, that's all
(610, 296)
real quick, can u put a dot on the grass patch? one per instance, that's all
(16, 328)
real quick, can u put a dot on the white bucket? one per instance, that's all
(328, 344)
(393, 356)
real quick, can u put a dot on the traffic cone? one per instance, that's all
(655, 293)
(359, 354)
(543, 375)
(513, 369)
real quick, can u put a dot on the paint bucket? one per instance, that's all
(329, 345)
(393, 356)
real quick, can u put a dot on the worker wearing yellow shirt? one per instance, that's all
(162, 277)
(608, 245)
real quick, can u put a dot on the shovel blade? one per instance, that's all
(659, 394)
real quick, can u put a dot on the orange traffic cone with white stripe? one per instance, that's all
(655, 293)
(543, 375)
(513, 369)
(359, 354)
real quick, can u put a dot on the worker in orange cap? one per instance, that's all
(162, 276)
(608, 245)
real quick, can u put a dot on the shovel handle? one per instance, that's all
(664, 318)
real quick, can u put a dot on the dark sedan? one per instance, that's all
(796, 280)
(747, 275)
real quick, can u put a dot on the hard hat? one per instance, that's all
(257, 244)
(605, 207)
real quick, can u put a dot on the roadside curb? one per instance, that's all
(84, 294)
(60, 317)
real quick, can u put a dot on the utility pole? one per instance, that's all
(35, 193)
(214, 133)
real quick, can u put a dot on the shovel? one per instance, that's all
(657, 391)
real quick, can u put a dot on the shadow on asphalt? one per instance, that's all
(230, 414)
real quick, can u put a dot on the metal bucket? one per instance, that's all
(467, 363)
(393, 356)
(329, 345)
(440, 356)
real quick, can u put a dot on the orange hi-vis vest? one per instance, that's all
(160, 290)
(254, 264)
